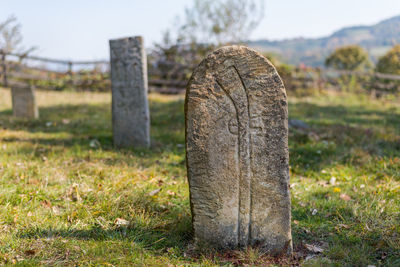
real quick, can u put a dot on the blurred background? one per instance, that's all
(344, 45)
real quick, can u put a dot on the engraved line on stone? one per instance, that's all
(238, 153)
(244, 168)
(250, 154)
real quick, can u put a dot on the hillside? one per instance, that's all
(376, 39)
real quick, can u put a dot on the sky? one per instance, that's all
(80, 29)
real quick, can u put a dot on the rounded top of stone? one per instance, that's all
(245, 59)
(232, 50)
(228, 55)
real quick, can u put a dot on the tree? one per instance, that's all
(206, 24)
(348, 58)
(220, 22)
(11, 37)
(390, 62)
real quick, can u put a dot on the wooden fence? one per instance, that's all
(52, 74)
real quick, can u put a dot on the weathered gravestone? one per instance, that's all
(24, 102)
(130, 110)
(237, 152)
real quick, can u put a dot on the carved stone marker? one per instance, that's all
(237, 152)
(130, 109)
(24, 102)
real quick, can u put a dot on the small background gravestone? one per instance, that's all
(130, 110)
(237, 152)
(24, 102)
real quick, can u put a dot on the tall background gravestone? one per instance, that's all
(24, 102)
(237, 152)
(130, 110)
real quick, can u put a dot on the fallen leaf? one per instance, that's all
(33, 181)
(120, 221)
(171, 193)
(56, 210)
(18, 258)
(314, 248)
(343, 226)
(314, 212)
(155, 192)
(345, 197)
(46, 204)
(309, 257)
(94, 143)
(73, 193)
(30, 252)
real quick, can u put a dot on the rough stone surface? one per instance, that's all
(130, 110)
(237, 152)
(24, 102)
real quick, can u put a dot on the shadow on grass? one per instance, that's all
(323, 115)
(163, 228)
(153, 239)
(86, 122)
(340, 130)
(340, 134)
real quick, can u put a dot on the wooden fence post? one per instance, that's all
(4, 67)
(70, 73)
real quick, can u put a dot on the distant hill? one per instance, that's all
(377, 39)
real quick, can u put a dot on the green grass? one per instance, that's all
(64, 189)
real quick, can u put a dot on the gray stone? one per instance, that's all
(298, 124)
(130, 109)
(237, 152)
(24, 102)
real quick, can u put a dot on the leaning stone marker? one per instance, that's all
(24, 102)
(130, 110)
(237, 152)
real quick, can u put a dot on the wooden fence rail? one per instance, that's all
(94, 75)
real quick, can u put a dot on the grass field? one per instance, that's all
(67, 197)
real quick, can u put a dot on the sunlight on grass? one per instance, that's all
(69, 198)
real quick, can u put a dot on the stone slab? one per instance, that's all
(24, 102)
(237, 152)
(130, 109)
